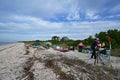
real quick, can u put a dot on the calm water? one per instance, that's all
(5, 43)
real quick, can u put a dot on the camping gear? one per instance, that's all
(49, 43)
(62, 50)
(71, 48)
(58, 47)
(84, 51)
(31, 43)
(36, 44)
(54, 46)
(80, 44)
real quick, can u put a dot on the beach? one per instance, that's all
(22, 62)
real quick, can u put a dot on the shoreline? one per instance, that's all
(6, 43)
(6, 46)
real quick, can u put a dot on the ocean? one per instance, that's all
(5, 43)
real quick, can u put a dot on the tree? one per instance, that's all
(114, 34)
(88, 41)
(55, 39)
(64, 39)
(102, 36)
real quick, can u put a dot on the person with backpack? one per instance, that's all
(95, 45)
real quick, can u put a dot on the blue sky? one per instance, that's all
(42, 19)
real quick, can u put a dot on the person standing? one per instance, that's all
(80, 47)
(93, 47)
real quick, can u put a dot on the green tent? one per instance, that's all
(36, 44)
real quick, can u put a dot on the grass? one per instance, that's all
(64, 76)
(115, 52)
(58, 71)
(49, 63)
(90, 72)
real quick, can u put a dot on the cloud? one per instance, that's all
(51, 9)
(73, 14)
(27, 27)
(115, 9)
(41, 19)
(32, 23)
(113, 16)
(91, 15)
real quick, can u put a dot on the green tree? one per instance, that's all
(55, 39)
(88, 41)
(64, 39)
(115, 35)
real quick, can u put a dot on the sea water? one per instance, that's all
(5, 43)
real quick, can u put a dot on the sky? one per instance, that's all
(22, 20)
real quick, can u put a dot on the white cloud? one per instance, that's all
(30, 22)
(53, 9)
(27, 27)
(38, 19)
(92, 14)
(73, 16)
(73, 13)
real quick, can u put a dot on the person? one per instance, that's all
(47, 46)
(103, 45)
(80, 47)
(94, 45)
(103, 49)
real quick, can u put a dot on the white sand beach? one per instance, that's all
(18, 64)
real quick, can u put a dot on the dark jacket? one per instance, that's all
(94, 44)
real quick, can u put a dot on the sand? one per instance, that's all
(14, 62)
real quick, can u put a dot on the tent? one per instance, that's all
(48, 43)
(80, 44)
(36, 44)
